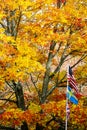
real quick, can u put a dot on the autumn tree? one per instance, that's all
(37, 41)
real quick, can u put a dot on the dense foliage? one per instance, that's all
(38, 39)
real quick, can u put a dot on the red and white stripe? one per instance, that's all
(72, 82)
(68, 111)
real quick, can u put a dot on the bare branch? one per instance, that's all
(3, 25)
(9, 85)
(34, 83)
(9, 100)
(57, 49)
(63, 57)
(78, 61)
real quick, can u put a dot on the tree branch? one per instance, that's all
(63, 57)
(9, 100)
(3, 25)
(9, 85)
(83, 57)
(34, 83)
(6, 128)
(19, 19)
(47, 73)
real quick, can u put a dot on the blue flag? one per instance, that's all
(71, 96)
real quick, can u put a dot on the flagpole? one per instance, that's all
(66, 123)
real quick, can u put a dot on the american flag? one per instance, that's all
(67, 111)
(71, 80)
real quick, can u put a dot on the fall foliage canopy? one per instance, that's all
(38, 39)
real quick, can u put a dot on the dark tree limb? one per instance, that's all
(6, 128)
(9, 100)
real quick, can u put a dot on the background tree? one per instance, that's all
(37, 41)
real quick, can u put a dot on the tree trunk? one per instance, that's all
(47, 73)
(19, 96)
(24, 126)
(20, 101)
(39, 127)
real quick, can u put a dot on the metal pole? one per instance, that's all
(66, 101)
